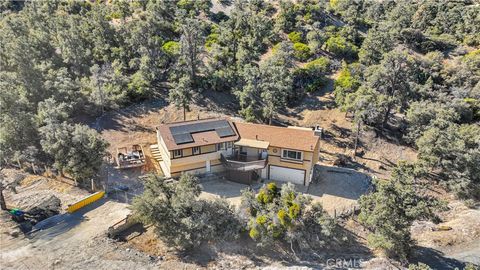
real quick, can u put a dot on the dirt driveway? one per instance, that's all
(76, 241)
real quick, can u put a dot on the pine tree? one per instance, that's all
(181, 94)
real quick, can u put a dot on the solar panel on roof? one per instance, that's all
(183, 138)
(182, 134)
(225, 132)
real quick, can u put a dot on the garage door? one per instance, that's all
(287, 175)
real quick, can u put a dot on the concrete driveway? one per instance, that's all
(338, 189)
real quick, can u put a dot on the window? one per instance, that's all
(229, 144)
(177, 153)
(196, 150)
(291, 154)
(220, 146)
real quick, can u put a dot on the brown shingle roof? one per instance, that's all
(282, 137)
(199, 138)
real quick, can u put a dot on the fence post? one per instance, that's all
(335, 213)
(126, 197)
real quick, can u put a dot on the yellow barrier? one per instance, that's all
(85, 201)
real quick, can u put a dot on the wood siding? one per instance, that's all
(197, 163)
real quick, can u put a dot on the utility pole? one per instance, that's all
(3, 205)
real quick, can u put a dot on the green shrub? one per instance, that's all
(419, 266)
(282, 216)
(472, 40)
(312, 77)
(277, 231)
(295, 37)
(470, 203)
(262, 197)
(340, 46)
(139, 86)
(171, 47)
(316, 84)
(248, 114)
(301, 51)
(286, 217)
(474, 105)
(211, 39)
(472, 55)
(470, 266)
(319, 65)
(254, 234)
(186, 4)
(346, 83)
(261, 220)
(294, 211)
(272, 188)
(115, 15)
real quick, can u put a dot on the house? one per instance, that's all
(245, 151)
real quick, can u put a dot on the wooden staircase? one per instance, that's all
(156, 159)
(155, 152)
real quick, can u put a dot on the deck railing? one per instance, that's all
(234, 163)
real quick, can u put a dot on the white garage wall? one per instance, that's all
(287, 175)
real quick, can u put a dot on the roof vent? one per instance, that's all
(318, 131)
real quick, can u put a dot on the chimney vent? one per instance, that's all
(318, 131)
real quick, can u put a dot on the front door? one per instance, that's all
(207, 166)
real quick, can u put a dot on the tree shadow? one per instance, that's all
(387, 162)
(343, 132)
(121, 119)
(434, 258)
(131, 232)
(392, 132)
(330, 137)
(349, 163)
(315, 101)
(316, 255)
(216, 101)
(62, 223)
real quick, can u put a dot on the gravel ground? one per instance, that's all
(222, 188)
